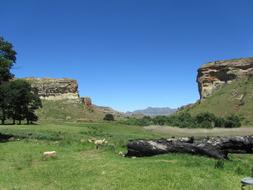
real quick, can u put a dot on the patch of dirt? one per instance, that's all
(175, 131)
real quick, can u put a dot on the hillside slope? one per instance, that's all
(72, 110)
(61, 101)
(233, 98)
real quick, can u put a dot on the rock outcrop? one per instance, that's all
(212, 76)
(55, 89)
(87, 101)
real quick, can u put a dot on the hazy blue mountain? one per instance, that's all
(153, 111)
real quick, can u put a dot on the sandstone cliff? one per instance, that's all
(225, 87)
(55, 89)
(214, 75)
(61, 101)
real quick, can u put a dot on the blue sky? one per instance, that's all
(127, 54)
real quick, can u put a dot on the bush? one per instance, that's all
(206, 120)
(109, 117)
(145, 121)
(232, 121)
(160, 120)
(183, 120)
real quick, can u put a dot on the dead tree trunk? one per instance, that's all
(216, 147)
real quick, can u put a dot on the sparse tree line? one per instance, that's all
(18, 101)
(186, 120)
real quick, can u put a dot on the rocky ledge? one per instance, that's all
(55, 88)
(214, 75)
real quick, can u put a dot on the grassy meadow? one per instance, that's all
(79, 165)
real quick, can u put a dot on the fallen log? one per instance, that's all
(215, 147)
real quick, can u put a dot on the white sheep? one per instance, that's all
(99, 143)
(121, 154)
(49, 154)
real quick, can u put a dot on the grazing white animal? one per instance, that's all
(49, 154)
(121, 154)
(100, 142)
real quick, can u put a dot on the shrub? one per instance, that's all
(206, 120)
(160, 120)
(109, 117)
(232, 121)
(182, 120)
(145, 121)
(220, 122)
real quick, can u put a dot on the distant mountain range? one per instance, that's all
(153, 111)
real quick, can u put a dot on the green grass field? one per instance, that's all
(79, 165)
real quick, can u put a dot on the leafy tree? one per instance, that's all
(160, 120)
(206, 120)
(24, 101)
(4, 101)
(7, 59)
(34, 104)
(220, 122)
(18, 101)
(109, 117)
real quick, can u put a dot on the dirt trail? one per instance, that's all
(175, 131)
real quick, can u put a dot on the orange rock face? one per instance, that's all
(86, 101)
(55, 88)
(214, 75)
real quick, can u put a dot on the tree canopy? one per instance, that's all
(18, 101)
(7, 59)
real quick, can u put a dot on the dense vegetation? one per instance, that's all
(109, 117)
(186, 120)
(17, 99)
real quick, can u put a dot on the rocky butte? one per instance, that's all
(66, 89)
(55, 88)
(212, 76)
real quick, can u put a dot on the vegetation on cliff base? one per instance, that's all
(186, 120)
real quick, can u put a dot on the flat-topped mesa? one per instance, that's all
(55, 88)
(214, 75)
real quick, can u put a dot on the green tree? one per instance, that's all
(23, 101)
(206, 120)
(18, 101)
(34, 104)
(4, 101)
(160, 120)
(109, 117)
(7, 59)
(232, 121)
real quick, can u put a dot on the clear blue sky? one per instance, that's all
(127, 54)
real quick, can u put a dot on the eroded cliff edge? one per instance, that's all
(62, 101)
(55, 88)
(213, 75)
